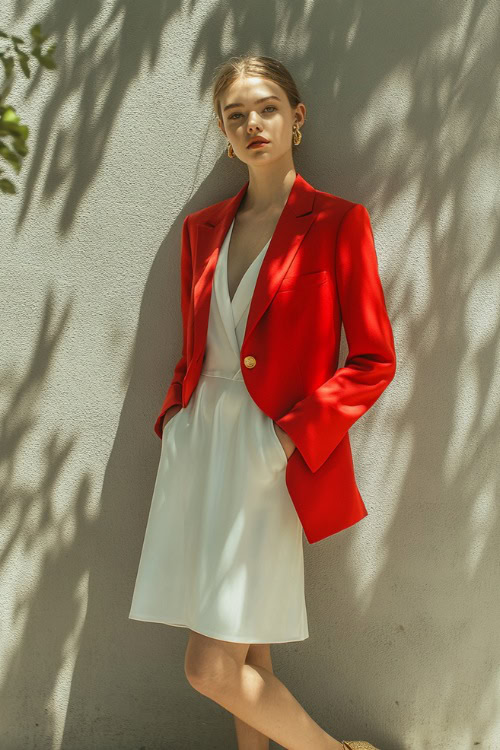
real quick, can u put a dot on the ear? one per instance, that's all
(221, 126)
(300, 114)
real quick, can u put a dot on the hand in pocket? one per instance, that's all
(285, 440)
(169, 414)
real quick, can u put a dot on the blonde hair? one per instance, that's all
(252, 65)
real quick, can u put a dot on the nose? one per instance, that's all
(253, 124)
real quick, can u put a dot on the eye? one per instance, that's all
(270, 106)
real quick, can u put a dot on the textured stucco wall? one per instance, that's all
(403, 112)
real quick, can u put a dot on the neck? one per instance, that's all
(268, 188)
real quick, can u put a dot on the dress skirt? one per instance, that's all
(223, 549)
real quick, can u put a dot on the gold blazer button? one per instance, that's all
(249, 361)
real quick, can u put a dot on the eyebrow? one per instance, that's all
(257, 101)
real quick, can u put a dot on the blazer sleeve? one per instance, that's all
(174, 392)
(318, 422)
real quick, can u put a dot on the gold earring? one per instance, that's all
(297, 135)
(230, 150)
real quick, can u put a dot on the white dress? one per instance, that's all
(222, 552)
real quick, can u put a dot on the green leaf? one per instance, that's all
(6, 186)
(9, 115)
(23, 62)
(23, 131)
(4, 94)
(10, 156)
(47, 62)
(36, 34)
(8, 64)
(19, 144)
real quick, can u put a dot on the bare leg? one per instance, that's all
(247, 736)
(218, 670)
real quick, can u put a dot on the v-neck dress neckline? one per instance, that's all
(234, 312)
(226, 257)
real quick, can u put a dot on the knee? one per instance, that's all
(198, 673)
(208, 673)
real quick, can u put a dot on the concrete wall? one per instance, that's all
(403, 113)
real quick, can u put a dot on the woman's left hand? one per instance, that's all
(285, 440)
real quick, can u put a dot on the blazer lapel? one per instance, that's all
(295, 219)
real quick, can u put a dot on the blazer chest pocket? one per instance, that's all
(304, 280)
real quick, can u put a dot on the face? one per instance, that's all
(254, 106)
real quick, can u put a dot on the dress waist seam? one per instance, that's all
(222, 374)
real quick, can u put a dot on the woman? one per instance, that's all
(254, 423)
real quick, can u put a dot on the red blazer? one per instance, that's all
(320, 270)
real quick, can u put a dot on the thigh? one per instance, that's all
(211, 661)
(260, 653)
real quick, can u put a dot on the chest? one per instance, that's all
(247, 241)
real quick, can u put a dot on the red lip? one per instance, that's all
(257, 140)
